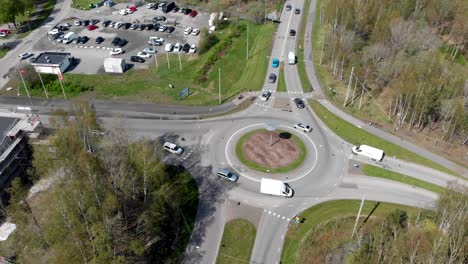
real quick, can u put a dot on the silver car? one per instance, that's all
(226, 174)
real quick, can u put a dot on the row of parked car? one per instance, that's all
(148, 26)
(172, 7)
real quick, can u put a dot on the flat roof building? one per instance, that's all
(51, 62)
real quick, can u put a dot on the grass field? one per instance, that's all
(357, 136)
(255, 166)
(237, 74)
(3, 51)
(326, 211)
(83, 4)
(306, 86)
(281, 81)
(237, 242)
(394, 176)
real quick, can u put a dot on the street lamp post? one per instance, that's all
(271, 127)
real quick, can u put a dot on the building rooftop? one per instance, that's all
(50, 58)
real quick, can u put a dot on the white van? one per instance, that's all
(69, 37)
(275, 187)
(369, 152)
(291, 58)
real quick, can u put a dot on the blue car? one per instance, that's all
(275, 63)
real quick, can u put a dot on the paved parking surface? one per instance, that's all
(92, 55)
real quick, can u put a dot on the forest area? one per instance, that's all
(112, 201)
(407, 60)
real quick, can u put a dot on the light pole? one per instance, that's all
(271, 127)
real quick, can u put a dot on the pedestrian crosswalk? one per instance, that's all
(273, 214)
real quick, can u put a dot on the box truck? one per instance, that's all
(369, 152)
(275, 187)
(291, 58)
(69, 37)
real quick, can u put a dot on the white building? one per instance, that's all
(115, 65)
(52, 62)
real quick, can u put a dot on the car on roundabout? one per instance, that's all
(304, 127)
(228, 175)
(299, 103)
(265, 95)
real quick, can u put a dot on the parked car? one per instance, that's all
(141, 27)
(126, 25)
(177, 47)
(170, 29)
(159, 18)
(275, 63)
(195, 32)
(116, 51)
(149, 50)
(188, 30)
(106, 23)
(228, 175)
(175, 9)
(5, 31)
(265, 95)
(122, 42)
(58, 35)
(193, 13)
(92, 27)
(173, 148)
(149, 26)
(83, 39)
(143, 55)
(193, 48)
(299, 103)
(99, 40)
(76, 40)
(186, 48)
(115, 41)
(123, 12)
(134, 26)
(85, 22)
(169, 47)
(53, 31)
(186, 11)
(150, 5)
(118, 25)
(161, 5)
(292, 32)
(137, 59)
(303, 127)
(272, 78)
(297, 11)
(77, 22)
(94, 21)
(25, 55)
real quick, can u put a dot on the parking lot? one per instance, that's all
(92, 55)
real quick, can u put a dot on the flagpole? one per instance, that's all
(25, 87)
(59, 75)
(45, 91)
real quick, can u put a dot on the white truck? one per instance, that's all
(275, 187)
(369, 152)
(69, 37)
(291, 58)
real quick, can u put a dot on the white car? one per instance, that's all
(25, 55)
(77, 22)
(188, 30)
(195, 32)
(118, 25)
(2, 34)
(162, 28)
(193, 49)
(173, 148)
(116, 51)
(143, 55)
(123, 12)
(169, 47)
(150, 5)
(265, 95)
(53, 31)
(303, 127)
(161, 5)
(66, 25)
(149, 50)
(177, 47)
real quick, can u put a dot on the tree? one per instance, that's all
(256, 11)
(11, 9)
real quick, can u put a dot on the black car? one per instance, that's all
(159, 18)
(126, 25)
(297, 11)
(175, 9)
(106, 23)
(94, 21)
(115, 41)
(299, 103)
(186, 47)
(137, 59)
(83, 39)
(122, 42)
(141, 27)
(57, 35)
(85, 23)
(272, 78)
(134, 26)
(149, 26)
(170, 29)
(62, 28)
(186, 11)
(292, 32)
(99, 40)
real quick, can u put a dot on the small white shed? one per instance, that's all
(115, 65)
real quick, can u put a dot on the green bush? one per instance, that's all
(207, 41)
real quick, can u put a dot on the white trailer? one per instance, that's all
(291, 58)
(275, 187)
(369, 152)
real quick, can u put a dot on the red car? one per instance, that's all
(193, 13)
(5, 31)
(92, 27)
(132, 8)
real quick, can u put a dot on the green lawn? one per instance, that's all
(83, 4)
(394, 176)
(3, 51)
(237, 74)
(281, 80)
(255, 166)
(237, 242)
(325, 212)
(357, 136)
(306, 86)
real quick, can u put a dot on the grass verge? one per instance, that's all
(238, 108)
(306, 86)
(82, 4)
(325, 212)
(256, 166)
(281, 80)
(357, 136)
(3, 51)
(237, 242)
(374, 171)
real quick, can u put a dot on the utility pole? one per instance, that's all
(247, 42)
(349, 86)
(219, 85)
(168, 64)
(155, 57)
(180, 62)
(359, 215)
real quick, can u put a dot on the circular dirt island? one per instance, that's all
(286, 152)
